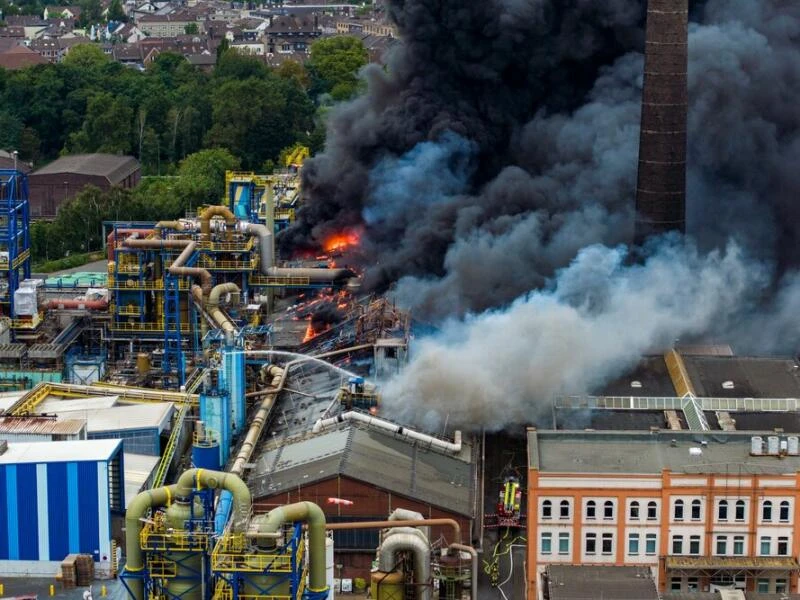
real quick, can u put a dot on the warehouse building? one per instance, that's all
(41, 429)
(58, 499)
(57, 182)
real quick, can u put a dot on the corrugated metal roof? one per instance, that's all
(56, 452)
(61, 405)
(568, 582)
(138, 468)
(41, 425)
(111, 166)
(154, 415)
(370, 456)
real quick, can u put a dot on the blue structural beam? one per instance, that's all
(15, 240)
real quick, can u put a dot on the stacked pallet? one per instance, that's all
(77, 570)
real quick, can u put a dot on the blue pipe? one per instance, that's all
(223, 511)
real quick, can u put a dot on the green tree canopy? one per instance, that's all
(115, 12)
(334, 66)
(86, 56)
(202, 176)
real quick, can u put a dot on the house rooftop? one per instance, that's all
(113, 167)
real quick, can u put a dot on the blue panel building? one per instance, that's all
(58, 498)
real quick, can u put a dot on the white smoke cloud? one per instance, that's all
(595, 320)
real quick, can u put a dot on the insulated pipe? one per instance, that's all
(313, 515)
(136, 512)
(177, 267)
(196, 479)
(176, 225)
(214, 211)
(111, 239)
(452, 523)
(474, 555)
(62, 303)
(257, 424)
(403, 514)
(220, 318)
(441, 445)
(422, 560)
(267, 259)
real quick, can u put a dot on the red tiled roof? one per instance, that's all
(20, 57)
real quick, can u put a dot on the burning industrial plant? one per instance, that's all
(493, 169)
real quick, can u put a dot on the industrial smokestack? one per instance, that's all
(661, 181)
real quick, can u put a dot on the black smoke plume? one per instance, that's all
(324, 315)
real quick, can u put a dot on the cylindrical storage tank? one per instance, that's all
(773, 444)
(143, 363)
(387, 586)
(756, 445)
(794, 445)
(271, 586)
(186, 584)
(329, 565)
(454, 571)
(205, 454)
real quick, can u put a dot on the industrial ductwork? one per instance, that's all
(403, 514)
(661, 179)
(453, 447)
(405, 542)
(178, 268)
(220, 318)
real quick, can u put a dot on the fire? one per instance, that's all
(310, 333)
(339, 242)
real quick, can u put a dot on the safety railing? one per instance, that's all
(187, 541)
(155, 327)
(162, 568)
(230, 555)
(135, 284)
(31, 323)
(265, 281)
(129, 310)
(172, 445)
(239, 246)
(228, 265)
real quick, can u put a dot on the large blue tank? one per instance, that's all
(206, 454)
(215, 412)
(233, 369)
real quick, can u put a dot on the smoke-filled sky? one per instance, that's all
(492, 166)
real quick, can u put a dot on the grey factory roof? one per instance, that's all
(650, 377)
(744, 377)
(649, 453)
(123, 417)
(567, 582)
(113, 167)
(52, 452)
(138, 469)
(370, 456)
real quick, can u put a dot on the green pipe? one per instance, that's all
(313, 515)
(197, 479)
(137, 510)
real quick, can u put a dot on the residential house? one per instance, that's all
(54, 50)
(127, 33)
(63, 12)
(250, 48)
(290, 26)
(33, 25)
(19, 57)
(168, 26)
(205, 61)
(15, 32)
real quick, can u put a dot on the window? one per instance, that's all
(564, 509)
(691, 584)
(547, 543)
(591, 509)
(765, 544)
(677, 544)
(722, 510)
(766, 511)
(608, 509)
(677, 512)
(722, 545)
(694, 544)
(633, 544)
(762, 586)
(739, 516)
(608, 539)
(695, 510)
(783, 515)
(781, 586)
(591, 543)
(651, 511)
(650, 544)
(675, 584)
(738, 545)
(547, 509)
(783, 546)
(563, 543)
(633, 510)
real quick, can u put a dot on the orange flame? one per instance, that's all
(310, 333)
(341, 241)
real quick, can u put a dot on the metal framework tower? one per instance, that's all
(15, 240)
(661, 181)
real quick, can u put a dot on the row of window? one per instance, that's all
(607, 509)
(678, 547)
(762, 584)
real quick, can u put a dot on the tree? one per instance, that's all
(232, 65)
(191, 29)
(107, 127)
(10, 131)
(116, 12)
(202, 176)
(86, 57)
(334, 66)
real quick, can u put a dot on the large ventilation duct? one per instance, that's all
(220, 318)
(453, 447)
(661, 180)
(403, 514)
(177, 268)
(405, 542)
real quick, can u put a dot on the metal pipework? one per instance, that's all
(403, 514)
(215, 211)
(220, 318)
(177, 267)
(257, 424)
(196, 479)
(267, 259)
(71, 303)
(315, 518)
(176, 225)
(401, 542)
(474, 556)
(453, 447)
(452, 523)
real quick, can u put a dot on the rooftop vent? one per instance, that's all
(727, 385)
(695, 451)
(636, 384)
